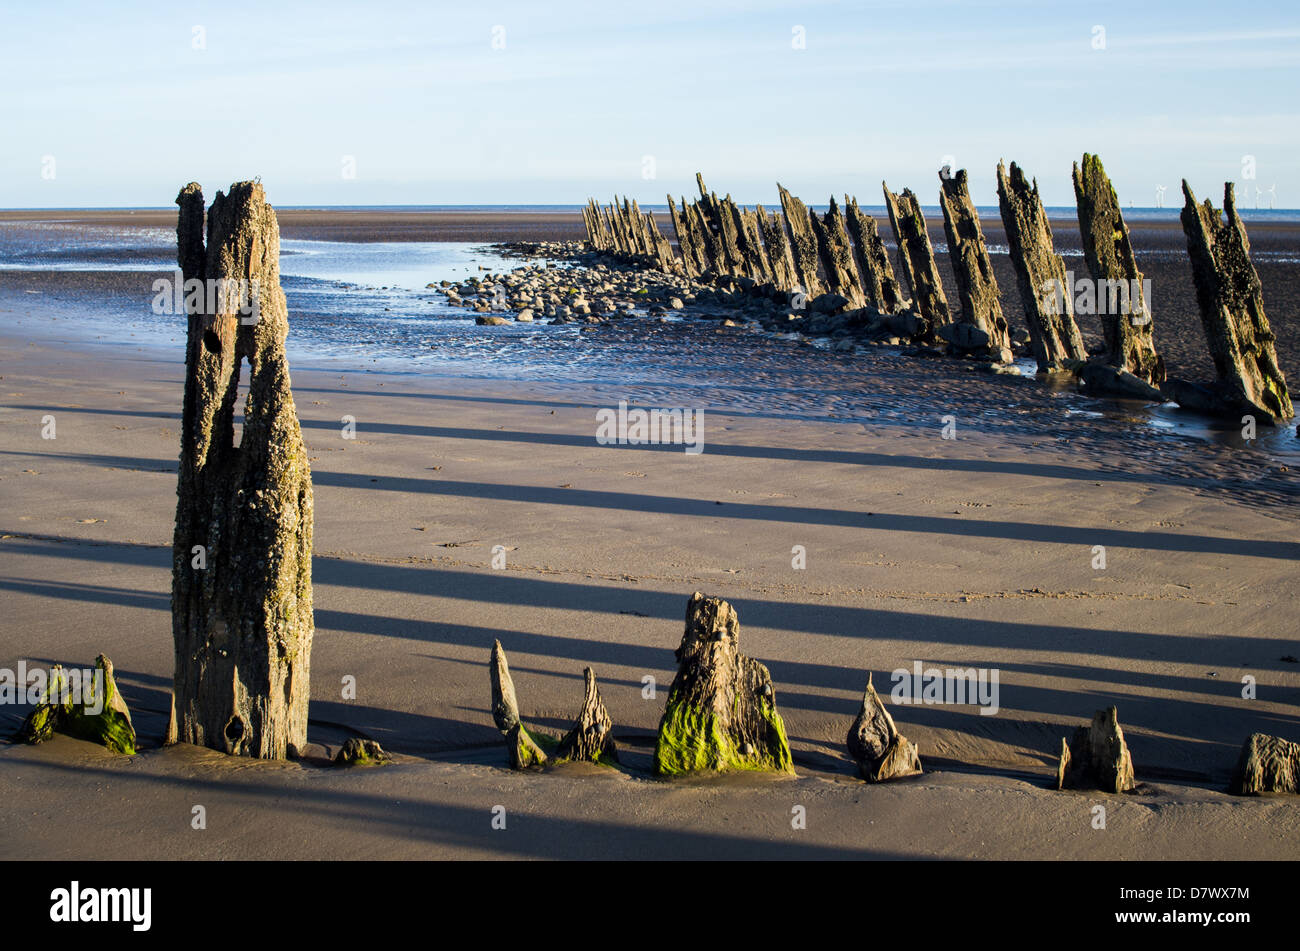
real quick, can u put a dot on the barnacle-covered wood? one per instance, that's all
(242, 623)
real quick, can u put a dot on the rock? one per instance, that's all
(1109, 254)
(492, 321)
(977, 288)
(965, 337)
(675, 303)
(875, 744)
(523, 749)
(591, 740)
(92, 711)
(917, 258)
(1048, 303)
(721, 712)
(1097, 757)
(1231, 302)
(242, 625)
(1104, 379)
(1268, 764)
(828, 303)
(525, 316)
(358, 752)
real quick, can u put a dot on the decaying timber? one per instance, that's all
(977, 288)
(1047, 300)
(875, 744)
(1097, 757)
(1126, 317)
(592, 738)
(721, 712)
(874, 268)
(803, 243)
(88, 708)
(242, 615)
(917, 259)
(1232, 311)
(1268, 764)
(836, 253)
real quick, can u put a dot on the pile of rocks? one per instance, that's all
(568, 282)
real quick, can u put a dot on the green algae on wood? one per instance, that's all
(721, 713)
(93, 711)
(1231, 302)
(359, 752)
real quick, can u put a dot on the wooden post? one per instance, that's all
(1047, 300)
(242, 622)
(1232, 308)
(977, 287)
(802, 242)
(917, 258)
(1106, 249)
(836, 255)
(874, 269)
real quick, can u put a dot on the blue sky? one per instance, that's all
(572, 98)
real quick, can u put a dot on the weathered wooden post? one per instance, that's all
(1047, 300)
(784, 273)
(836, 255)
(241, 562)
(982, 328)
(917, 258)
(802, 242)
(1109, 254)
(694, 261)
(1232, 309)
(874, 269)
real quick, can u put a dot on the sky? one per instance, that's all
(543, 102)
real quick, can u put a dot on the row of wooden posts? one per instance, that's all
(841, 253)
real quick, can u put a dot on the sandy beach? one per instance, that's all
(972, 552)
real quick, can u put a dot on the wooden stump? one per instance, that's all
(1232, 310)
(784, 273)
(1109, 254)
(916, 256)
(592, 738)
(1097, 757)
(242, 623)
(976, 286)
(92, 711)
(1047, 300)
(523, 749)
(874, 269)
(721, 712)
(836, 253)
(803, 243)
(875, 744)
(1268, 764)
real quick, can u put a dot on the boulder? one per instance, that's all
(1268, 764)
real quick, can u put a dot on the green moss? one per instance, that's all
(690, 742)
(59, 711)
